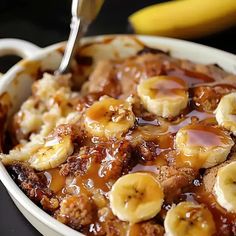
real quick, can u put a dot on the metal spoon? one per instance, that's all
(83, 13)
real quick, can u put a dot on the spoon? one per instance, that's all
(83, 13)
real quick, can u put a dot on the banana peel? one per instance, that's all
(185, 18)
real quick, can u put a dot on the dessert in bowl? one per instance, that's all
(138, 139)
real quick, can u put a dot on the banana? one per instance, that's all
(163, 95)
(203, 146)
(225, 187)
(52, 154)
(109, 118)
(226, 112)
(185, 18)
(136, 197)
(190, 219)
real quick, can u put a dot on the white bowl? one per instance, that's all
(17, 82)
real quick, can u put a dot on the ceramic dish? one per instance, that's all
(15, 87)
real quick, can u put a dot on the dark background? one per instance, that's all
(47, 21)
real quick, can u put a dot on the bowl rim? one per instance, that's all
(6, 179)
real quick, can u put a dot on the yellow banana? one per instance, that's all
(203, 146)
(163, 95)
(136, 197)
(52, 154)
(185, 18)
(225, 187)
(225, 112)
(190, 219)
(109, 117)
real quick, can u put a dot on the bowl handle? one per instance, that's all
(17, 47)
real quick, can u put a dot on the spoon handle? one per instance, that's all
(83, 13)
(76, 33)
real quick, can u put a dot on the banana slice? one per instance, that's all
(225, 187)
(226, 112)
(136, 197)
(189, 219)
(163, 95)
(109, 117)
(203, 146)
(52, 154)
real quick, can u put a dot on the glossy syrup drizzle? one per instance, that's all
(205, 136)
(162, 133)
(190, 77)
(167, 86)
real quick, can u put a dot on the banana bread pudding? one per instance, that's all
(145, 147)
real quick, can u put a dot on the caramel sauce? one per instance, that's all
(168, 86)
(56, 182)
(182, 160)
(161, 133)
(134, 230)
(157, 134)
(195, 114)
(146, 168)
(203, 134)
(206, 136)
(190, 77)
(92, 181)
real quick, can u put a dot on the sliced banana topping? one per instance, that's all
(226, 112)
(189, 219)
(225, 187)
(136, 197)
(52, 154)
(163, 95)
(109, 118)
(203, 146)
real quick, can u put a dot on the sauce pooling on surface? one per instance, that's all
(159, 134)
(205, 136)
(148, 145)
(168, 86)
(190, 77)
